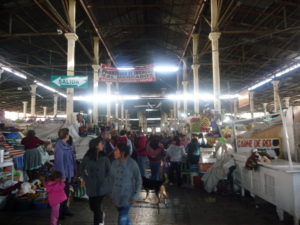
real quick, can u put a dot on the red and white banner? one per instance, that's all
(141, 74)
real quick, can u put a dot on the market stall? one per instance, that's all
(266, 159)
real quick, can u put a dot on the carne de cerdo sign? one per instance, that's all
(269, 145)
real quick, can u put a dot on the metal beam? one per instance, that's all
(98, 32)
(29, 35)
(196, 19)
(146, 25)
(99, 5)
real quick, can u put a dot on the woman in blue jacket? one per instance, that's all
(64, 162)
(94, 169)
(126, 182)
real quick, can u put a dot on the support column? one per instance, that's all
(95, 94)
(117, 102)
(55, 98)
(33, 99)
(185, 84)
(251, 98)
(214, 37)
(195, 68)
(178, 105)
(96, 68)
(276, 93)
(235, 107)
(108, 106)
(286, 101)
(122, 113)
(45, 111)
(265, 108)
(71, 38)
(185, 88)
(24, 109)
(175, 109)
(126, 119)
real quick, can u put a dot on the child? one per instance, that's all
(56, 194)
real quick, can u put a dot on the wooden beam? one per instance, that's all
(98, 5)
(29, 35)
(145, 25)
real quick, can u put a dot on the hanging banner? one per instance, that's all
(141, 74)
(243, 99)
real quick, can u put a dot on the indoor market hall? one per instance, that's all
(149, 112)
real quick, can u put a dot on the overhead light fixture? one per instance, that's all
(16, 73)
(285, 71)
(277, 74)
(261, 83)
(166, 69)
(49, 88)
(125, 68)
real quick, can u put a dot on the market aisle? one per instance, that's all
(186, 207)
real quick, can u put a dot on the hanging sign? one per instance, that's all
(141, 74)
(69, 81)
(268, 145)
(243, 99)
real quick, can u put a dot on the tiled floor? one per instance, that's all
(185, 207)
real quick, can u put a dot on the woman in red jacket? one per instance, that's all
(32, 156)
(142, 155)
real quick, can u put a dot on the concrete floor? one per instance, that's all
(185, 207)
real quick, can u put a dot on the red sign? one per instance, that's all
(140, 74)
(245, 145)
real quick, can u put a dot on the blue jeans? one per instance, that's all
(142, 160)
(155, 167)
(123, 215)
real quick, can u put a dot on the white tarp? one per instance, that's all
(220, 169)
(47, 131)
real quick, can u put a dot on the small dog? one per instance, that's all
(158, 187)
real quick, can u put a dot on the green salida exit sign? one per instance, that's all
(58, 81)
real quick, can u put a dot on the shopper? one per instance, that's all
(193, 152)
(126, 182)
(65, 163)
(175, 152)
(94, 169)
(56, 195)
(155, 155)
(32, 156)
(142, 153)
(108, 147)
(124, 139)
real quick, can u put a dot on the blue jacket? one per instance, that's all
(64, 160)
(126, 181)
(95, 175)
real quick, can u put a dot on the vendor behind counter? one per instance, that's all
(32, 156)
